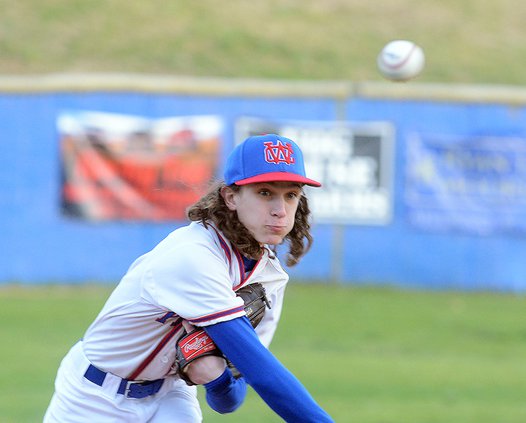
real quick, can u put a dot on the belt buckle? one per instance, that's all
(128, 387)
(141, 389)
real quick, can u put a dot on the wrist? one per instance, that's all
(220, 383)
(206, 369)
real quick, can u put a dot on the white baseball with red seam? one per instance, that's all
(401, 60)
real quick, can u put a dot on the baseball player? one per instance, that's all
(177, 318)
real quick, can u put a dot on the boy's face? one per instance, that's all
(266, 209)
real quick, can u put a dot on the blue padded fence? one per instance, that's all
(40, 245)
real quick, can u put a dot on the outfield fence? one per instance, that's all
(424, 184)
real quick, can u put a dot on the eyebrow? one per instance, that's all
(286, 184)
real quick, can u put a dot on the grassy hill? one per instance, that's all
(466, 41)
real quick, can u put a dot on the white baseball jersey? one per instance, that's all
(193, 275)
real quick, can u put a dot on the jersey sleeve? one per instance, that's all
(277, 386)
(192, 279)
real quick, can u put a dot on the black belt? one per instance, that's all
(128, 388)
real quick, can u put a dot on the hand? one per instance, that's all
(204, 369)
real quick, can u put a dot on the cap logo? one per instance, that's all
(279, 152)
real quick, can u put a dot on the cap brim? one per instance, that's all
(278, 177)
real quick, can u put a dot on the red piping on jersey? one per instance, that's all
(156, 351)
(240, 266)
(224, 245)
(217, 315)
(243, 278)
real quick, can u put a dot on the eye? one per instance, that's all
(264, 192)
(293, 194)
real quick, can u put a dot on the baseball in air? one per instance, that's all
(401, 60)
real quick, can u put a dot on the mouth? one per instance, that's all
(276, 229)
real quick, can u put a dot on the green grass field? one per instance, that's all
(368, 355)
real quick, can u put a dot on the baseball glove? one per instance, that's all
(197, 343)
(255, 299)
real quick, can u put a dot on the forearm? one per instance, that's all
(201, 363)
(278, 387)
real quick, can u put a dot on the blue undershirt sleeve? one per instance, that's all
(225, 394)
(276, 385)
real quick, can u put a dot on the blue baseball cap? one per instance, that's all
(266, 158)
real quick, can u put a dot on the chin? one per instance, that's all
(273, 240)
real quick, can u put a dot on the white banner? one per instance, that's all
(352, 160)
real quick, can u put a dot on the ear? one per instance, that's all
(229, 196)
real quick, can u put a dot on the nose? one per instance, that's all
(278, 208)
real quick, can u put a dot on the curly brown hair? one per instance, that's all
(212, 207)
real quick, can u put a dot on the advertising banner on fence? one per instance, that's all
(118, 167)
(352, 160)
(476, 184)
